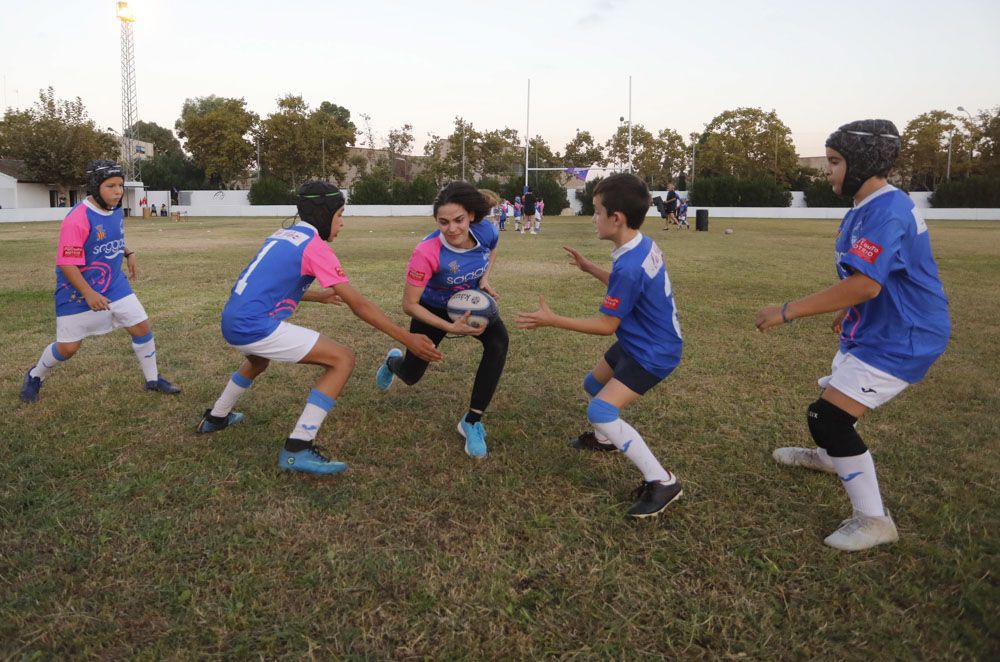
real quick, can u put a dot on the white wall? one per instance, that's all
(220, 199)
(8, 191)
(289, 210)
(33, 195)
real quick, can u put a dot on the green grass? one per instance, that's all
(124, 534)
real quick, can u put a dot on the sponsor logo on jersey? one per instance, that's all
(109, 249)
(340, 272)
(611, 302)
(453, 266)
(101, 234)
(416, 275)
(72, 251)
(866, 250)
(472, 275)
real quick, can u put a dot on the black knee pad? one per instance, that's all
(832, 428)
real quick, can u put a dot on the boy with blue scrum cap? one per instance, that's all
(638, 308)
(890, 311)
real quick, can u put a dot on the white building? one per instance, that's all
(17, 191)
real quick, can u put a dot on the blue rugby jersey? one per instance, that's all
(640, 295)
(906, 327)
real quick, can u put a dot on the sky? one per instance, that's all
(817, 64)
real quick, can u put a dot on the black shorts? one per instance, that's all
(628, 371)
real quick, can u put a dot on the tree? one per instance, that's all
(747, 143)
(55, 139)
(285, 148)
(923, 155)
(167, 171)
(655, 159)
(163, 139)
(215, 131)
(582, 151)
(271, 191)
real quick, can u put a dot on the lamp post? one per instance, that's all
(463, 150)
(971, 123)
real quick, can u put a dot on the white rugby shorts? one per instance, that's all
(861, 382)
(288, 344)
(123, 313)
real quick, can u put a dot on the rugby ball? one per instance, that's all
(482, 308)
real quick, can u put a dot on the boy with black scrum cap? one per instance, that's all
(890, 311)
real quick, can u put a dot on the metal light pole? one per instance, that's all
(463, 150)
(130, 112)
(630, 125)
(971, 122)
(527, 134)
(948, 173)
(694, 143)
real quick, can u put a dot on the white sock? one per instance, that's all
(857, 474)
(238, 384)
(145, 350)
(317, 407)
(48, 360)
(824, 457)
(630, 443)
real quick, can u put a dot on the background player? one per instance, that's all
(267, 292)
(639, 309)
(459, 255)
(891, 314)
(92, 295)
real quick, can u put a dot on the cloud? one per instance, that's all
(598, 12)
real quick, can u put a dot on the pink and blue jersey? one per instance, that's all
(906, 327)
(640, 295)
(93, 240)
(270, 288)
(443, 270)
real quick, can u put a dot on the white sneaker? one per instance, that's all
(862, 532)
(802, 457)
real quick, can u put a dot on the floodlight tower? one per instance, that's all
(130, 111)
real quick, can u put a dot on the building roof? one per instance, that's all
(14, 168)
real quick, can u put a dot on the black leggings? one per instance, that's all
(410, 368)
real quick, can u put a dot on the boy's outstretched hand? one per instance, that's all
(578, 259)
(541, 317)
(422, 346)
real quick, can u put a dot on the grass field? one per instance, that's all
(124, 534)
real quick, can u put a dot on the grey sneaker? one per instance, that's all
(802, 457)
(862, 532)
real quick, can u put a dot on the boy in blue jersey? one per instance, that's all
(268, 292)
(93, 296)
(638, 308)
(891, 314)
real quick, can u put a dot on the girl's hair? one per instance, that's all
(465, 195)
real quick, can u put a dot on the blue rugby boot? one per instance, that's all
(475, 437)
(211, 423)
(307, 459)
(163, 386)
(384, 376)
(30, 387)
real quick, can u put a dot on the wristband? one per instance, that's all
(784, 316)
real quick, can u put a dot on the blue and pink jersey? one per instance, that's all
(93, 240)
(270, 288)
(906, 327)
(443, 270)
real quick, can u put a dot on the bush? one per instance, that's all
(586, 197)
(819, 193)
(976, 191)
(728, 191)
(269, 190)
(375, 189)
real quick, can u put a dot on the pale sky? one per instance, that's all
(817, 64)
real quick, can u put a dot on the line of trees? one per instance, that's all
(224, 141)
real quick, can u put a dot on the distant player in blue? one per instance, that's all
(639, 309)
(93, 296)
(267, 293)
(503, 215)
(891, 314)
(458, 256)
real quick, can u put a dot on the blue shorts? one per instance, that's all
(628, 371)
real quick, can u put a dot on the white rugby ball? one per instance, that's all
(482, 308)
